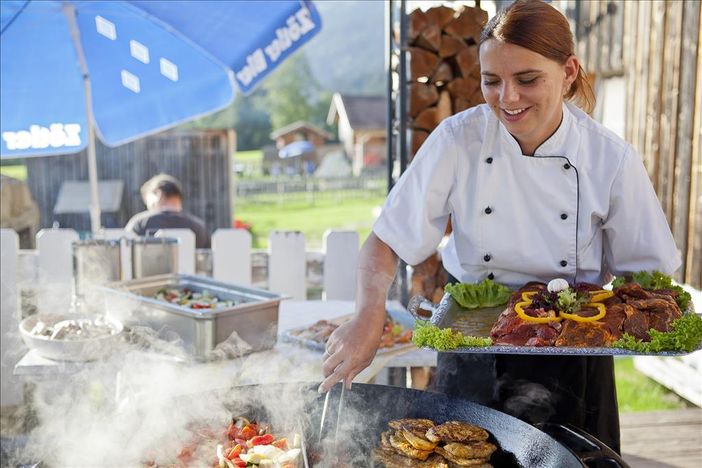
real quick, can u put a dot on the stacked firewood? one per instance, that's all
(444, 69)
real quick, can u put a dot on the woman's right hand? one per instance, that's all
(352, 346)
(350, 349)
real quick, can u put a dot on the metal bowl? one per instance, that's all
(88, 349)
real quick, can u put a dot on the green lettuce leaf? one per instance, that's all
(685, 335)
(427, 335)
(656, 280)
(484, 294)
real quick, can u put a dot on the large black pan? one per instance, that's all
(366, 410)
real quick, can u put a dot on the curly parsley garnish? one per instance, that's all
(428, 335)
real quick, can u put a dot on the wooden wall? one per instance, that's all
(656, 46)
(199, 159)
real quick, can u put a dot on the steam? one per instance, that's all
(140, 406)
(147, 398)
(143, 402)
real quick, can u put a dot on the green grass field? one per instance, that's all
(310, 218)
(636, 392)
(16, 172)
(253, 156)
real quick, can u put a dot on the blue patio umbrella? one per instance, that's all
(296, 148)
(126, 69)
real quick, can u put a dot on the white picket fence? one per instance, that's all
(49, 270)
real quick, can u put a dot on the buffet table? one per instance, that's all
(284, 362)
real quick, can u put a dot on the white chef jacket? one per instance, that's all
(582, 208)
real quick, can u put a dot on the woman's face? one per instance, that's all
(525, 90)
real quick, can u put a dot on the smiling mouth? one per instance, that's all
(514, 115)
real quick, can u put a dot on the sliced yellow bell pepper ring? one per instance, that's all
(519, 309)
(600, 295)
(579, 318)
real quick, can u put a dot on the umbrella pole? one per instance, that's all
(69, 12)
(95, 225)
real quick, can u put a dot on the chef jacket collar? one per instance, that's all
(559, 144)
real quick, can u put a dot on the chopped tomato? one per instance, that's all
(248, 431)
(238, 462)
(282, 443)
(235, 452)
(264, 439)
(232, 431)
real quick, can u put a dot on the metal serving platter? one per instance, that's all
(250, 324)
(449, 314)
(395, 310)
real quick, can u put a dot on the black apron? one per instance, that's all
(577, 390)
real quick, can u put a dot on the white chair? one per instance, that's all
(340, 259)
(231, 256)
(10, 344)
(186, 248)
(287, 264)
(55, 269)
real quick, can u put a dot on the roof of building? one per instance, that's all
(298, 126)
(362, 112)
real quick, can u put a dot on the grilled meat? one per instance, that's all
(631, 310)
(662, 310)
(512, 330)
(418, 441)
(385, 440)
(636, 323)
(482, 449)
(458, 461)
(402, 446)
(456, 431)
(392, 459)
(631, 291)
(584, 335)
(614, 320)
(415, 425)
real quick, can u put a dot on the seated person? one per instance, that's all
(163, 197)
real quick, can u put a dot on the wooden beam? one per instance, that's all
(693, 270)
(670, 71)
(653, 90)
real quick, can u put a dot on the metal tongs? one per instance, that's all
(322, 421)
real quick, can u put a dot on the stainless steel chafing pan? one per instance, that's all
(249, 325)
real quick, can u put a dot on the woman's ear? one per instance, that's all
(572, 67)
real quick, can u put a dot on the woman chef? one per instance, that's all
(536, 190)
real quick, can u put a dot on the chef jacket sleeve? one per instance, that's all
(416, 212)
(636, 233)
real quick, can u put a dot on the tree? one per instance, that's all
(252, 121)
(292, 92)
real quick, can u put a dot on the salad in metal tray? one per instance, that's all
(195, 300)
